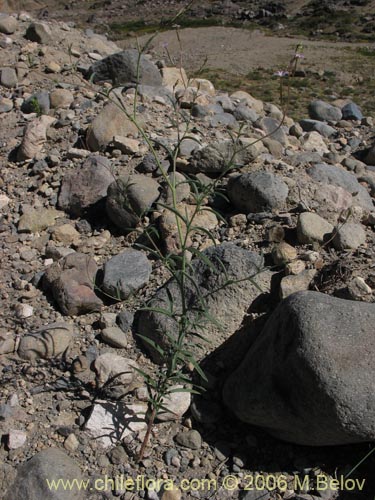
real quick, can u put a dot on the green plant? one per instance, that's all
(35, 106)
(189, 319)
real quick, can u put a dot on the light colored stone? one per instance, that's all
(66, 234)
(16, 439)
(253, 103)
(295, 267)
(174, 78)
(34, 138)
(313, 141)
(61, 98)
(71, 443)
(349, 236)
(283, 253)
(296, 283)
(24, 311)
(311, 227)
(49, 341)
(109, 423)
(115, 337)
(4, 201)
(38, 219)
(177, 403)
(126, 145)
(110, 366)
(202, 85)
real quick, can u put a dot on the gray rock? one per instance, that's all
(47, 465)
(40, 33)
(71, 282)
(220, 156)
(237, 297)
(351, 112)
(36, 103)
(311, 227)
(85, 186)
(124, 68)
(190, 439)
(8, 24)
(330, 174)
(125, 320)
(111, 121)
(349, 236)
(129, 198)
(257, 192)
(115, 337)
(224, 119)
(317, 126)
(323, 111)
(152, 92)
(8, 78)
(50, 341)
(6, 105)
(126, 273)
(326, 394)
(274, 129)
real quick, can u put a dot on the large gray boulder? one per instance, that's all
(323, 111)
(127, 67)
(46, 466)
(330, 174)
(126, 273)
(257, 192)
(227, 305)
(309, 378)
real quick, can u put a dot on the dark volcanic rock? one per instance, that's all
(122, 68)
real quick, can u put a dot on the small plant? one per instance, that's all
(35, 106)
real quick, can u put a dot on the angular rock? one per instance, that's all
(127, 67)
(349, 236)
(116, 375)
(34, 138)
(40, 33)
(221, 156)
(317, 126)
(351, 112)
(48, 342)
(126, 273)
(110, 423)
(6, 105)
(311, 227)
(296, 283)
(323, 111)
(175, 405)
(326, 395)
(253, 103)
(115, 337)
(274, 129)
(38, 219)
(259, 191)
(71, 281)
(111, 121)
(330, 174)
(129, 198)
(47, 465)
(8, 78)
(237, 297)
(174, 78)
(85, 186)
(61, 98)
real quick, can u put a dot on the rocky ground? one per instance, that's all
(74, 174)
